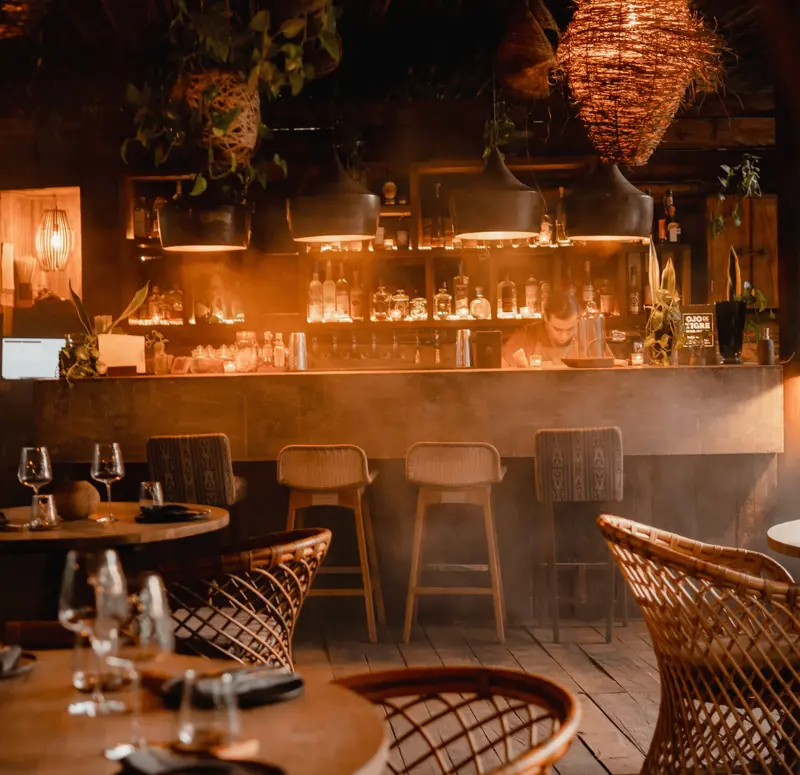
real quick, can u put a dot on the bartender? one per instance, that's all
(553, 337)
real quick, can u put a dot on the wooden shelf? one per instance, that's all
(410, 325)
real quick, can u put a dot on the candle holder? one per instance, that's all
(536, 361)
(637, 359)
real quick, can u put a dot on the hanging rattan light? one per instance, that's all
(54, 240)
(629, 65)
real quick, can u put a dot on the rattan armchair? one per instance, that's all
(724, 624)
(471, 719)
(244, 604)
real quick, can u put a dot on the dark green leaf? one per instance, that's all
(331, 44)
(233, 162)
(296, 81)
(263, 131)
(160, 155)
(123, 151)
(83, 315)
(281, 163)
(260, 21)
(138, 299)
(133, 96)
(200, 185)
(291, 28)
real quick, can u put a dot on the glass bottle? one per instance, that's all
(400, 306)
(402, 235)
(634, 297)
(506, 298)
(315, 297)
(561, 219)
(356, 298)
(587, 291)
(480, 308)
(381, 303)
(267, 352)
(443, 303)
(437, 227)
(532, 298)
(461, 292)
(154, 306)
(544, 293)
(279, 352)
(342, 295)
(673, 227)
(328, 294)
(546, 232)
(141, 219)
(418, 309)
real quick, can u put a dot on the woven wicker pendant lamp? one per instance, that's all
(54, 240)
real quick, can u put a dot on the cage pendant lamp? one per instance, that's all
(496, 205)
(336, 209)
(54, 240)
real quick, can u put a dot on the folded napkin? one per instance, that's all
(14, 661)
(170, 512)
(159, 761)
(254, 686)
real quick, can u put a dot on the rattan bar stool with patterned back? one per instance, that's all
(725, 626)
(471, 719)
(450, 472)
(574, 466)
(336, 475)
(244, 605)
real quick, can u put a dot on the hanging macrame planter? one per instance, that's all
(629, 65)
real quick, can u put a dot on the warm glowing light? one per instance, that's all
(54, 240)
(637, 359)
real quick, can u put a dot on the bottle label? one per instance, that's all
(674, 231)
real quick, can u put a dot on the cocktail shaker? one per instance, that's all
(463, 354)
(298, 353)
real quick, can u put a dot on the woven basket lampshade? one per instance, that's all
(338, 209)
(496, 206)
(54, 240)
(629, 65)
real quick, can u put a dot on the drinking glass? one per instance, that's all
(142, 630)
(84, 574)
(43, 513)
(150, 495)
(107, 467)
(201, 730)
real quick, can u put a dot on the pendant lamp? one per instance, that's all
(495, 205)
(606, 207)
(54, 240)
(337, 209)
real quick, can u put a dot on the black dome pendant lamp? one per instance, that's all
(606, 207)
(337, 209)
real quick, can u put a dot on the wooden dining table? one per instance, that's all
(327, 729)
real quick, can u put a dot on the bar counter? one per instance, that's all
(661, 411)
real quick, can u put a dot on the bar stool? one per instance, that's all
(454, 473)
(336, 475)
(574, 466)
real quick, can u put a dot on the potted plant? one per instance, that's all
(79, 357)
(225, 61)
(742, 181)
(664, 332)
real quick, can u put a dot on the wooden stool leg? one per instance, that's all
(553, 568)
(294, 505)
(372, 555)
(363, 560)
(494, 566)
(413, 576)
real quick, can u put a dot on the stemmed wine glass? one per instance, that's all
(85, 573)
(107, 467)
(34, 470)
(142, 631)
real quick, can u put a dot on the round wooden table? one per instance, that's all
(327, 729)
(87, 533)
(785, 538)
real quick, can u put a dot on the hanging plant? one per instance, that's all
(742, 182)
(664, 332)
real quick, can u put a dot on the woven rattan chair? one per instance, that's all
(454, 473)
(471, 719)
(244, 605)
(725, 627)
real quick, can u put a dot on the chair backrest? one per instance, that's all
(244, 605)
(323, 467)
(193, 469)
(580, 464)
(453, 464)
(471, 719)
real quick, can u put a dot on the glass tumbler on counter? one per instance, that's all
(443, 303)
(151, 495)
(202, 730)
(43, 513)
(400, 305)
(381, 303)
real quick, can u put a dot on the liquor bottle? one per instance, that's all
(561, 219)
(401, 238)
(480, 308)
(634, 297)
(673, 227)
(315, 298)
(279, 352)
(141, 219)
(442, 303)
(532, 298)
(378, 240)
(545, 296)
(570, 284)
(267, 353)
(381, 302)
(400, 306)
(328, 294)
(342, 296)
(587, 291)
(506, 298)
(662, 222)
(356, 298)
(608, 301)
(418, 308)
(461, 292)
(546, 232)
(437, 227)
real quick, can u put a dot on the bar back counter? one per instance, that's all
(700, 446)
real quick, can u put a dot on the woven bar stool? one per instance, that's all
(336, 475)
(454, 473)
(573, 466)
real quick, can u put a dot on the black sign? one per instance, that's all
(698, 323)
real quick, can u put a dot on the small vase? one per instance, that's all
(730, 317)
(75, 500)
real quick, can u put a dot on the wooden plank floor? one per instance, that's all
(616, 684)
